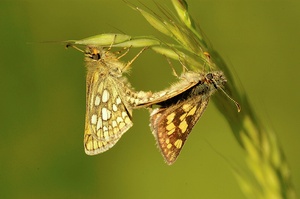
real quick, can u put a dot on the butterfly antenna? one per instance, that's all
(75, 47)
(235, 102)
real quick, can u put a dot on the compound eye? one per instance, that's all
(93, 53)
(209, 76)
(95, 56)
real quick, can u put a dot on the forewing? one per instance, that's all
(172, 125)
(187, 82)
(107, 115)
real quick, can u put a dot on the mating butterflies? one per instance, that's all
(110, 100)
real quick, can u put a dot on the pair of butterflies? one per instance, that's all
(110, 100)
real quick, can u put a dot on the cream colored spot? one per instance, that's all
(97, 100)
(94, 119)
(114, 124)
(114, 107)
(116, 130)
(119, 119)
(192, 111)
(124, 114)
(183, 126)
(170, 127)
(104, 128)
(170, 118)
(121, 125)
(105, 134)
(167, 141)
(99, 124)
(169, 146)
(170, 132)
(118, 100)
(105, 95)
(183, 116)
(105, 114)
(178, 143)
(131, 100)
(186, 107)
(136, 101)
(95, 145)
(127, 120)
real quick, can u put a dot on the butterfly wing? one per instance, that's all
(172, 125)
(108, 116)
(188, 80)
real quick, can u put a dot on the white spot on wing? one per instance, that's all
(105, 96)
(114, 124)
(105, 132)
(105, 114)
(97, 100)
(124, 114)
(99, 124)
(115, 108)
(118, 100)
(119, 119)
(94, 119)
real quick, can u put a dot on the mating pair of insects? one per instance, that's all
(110, 100)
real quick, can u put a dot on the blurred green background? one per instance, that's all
(43, 100)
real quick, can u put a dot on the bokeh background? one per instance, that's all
(43, 100)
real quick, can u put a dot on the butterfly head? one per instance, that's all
(94, 53)
(216, 78)
(99, 58)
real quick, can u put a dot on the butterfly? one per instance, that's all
(180, 107)
(109, 99)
